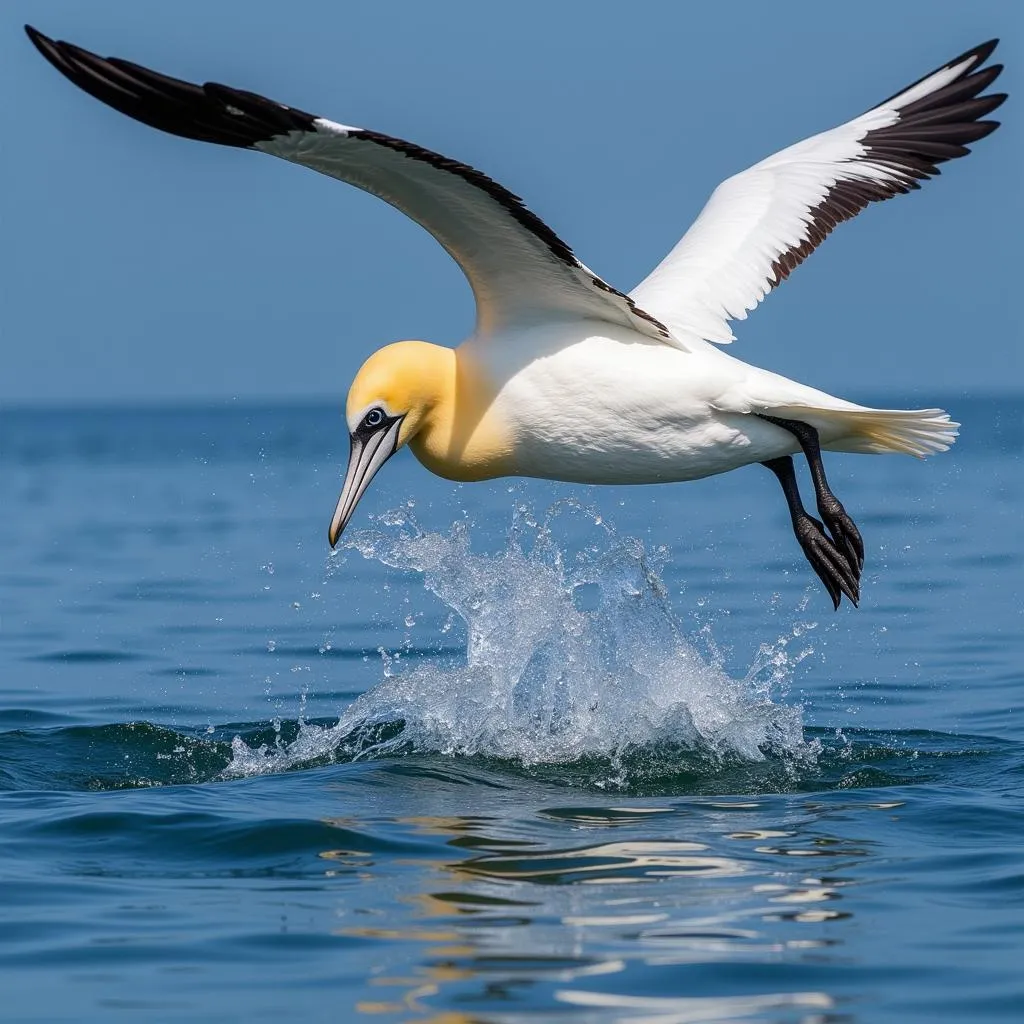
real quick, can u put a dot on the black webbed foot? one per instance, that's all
(846, 538)
(829, 563)
(844, 531)
(837, 568)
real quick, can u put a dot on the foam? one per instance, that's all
(572, 652)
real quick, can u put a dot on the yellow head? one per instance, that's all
(396, 394)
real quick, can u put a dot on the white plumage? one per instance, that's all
(727, 262)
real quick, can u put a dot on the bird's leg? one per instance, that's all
(826, 559)
(844, 532)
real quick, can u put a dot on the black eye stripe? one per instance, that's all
(374, 421)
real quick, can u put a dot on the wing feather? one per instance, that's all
(760, 225)
(519, 269)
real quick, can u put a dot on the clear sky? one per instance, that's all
(138, 267)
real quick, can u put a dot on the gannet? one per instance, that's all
(564, 376)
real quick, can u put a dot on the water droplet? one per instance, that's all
(544, 680)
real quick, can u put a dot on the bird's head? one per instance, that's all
(392, 399)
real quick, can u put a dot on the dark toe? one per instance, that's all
(844, 531)
(828, 562)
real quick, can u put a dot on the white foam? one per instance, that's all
(572, 652)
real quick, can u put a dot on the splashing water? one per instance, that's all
(569, 657)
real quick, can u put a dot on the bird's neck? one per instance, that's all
(461, 435)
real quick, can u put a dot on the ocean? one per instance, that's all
(517, 751)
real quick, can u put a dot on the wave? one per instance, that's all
(140, 755)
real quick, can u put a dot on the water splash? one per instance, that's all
(573, 652)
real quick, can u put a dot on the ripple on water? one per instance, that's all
(142, 755)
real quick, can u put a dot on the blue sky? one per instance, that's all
(141, 267)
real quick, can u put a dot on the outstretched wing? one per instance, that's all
(518, 268)
(762, 223)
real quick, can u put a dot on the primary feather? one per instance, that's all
(762, 223)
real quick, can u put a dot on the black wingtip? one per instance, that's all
(969, 77)
(217, 114)
(977, 55)
(981, 53)
(44, 44)
(51, 51)
(48, 47)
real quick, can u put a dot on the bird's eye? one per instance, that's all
(374, 418)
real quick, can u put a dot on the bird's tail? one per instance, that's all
(917, 432)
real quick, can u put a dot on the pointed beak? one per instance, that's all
(368, 452)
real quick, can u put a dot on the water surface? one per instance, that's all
(517, 751)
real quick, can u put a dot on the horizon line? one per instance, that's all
(186, 403)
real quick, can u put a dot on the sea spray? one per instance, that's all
(573, 652)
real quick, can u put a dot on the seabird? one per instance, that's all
(564, 376)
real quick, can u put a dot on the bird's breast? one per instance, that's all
(597, 409)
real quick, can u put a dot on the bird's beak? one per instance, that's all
(368, 452)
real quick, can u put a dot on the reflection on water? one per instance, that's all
(655, 1010)
(504, 926)
(455, 888)
(608, 864)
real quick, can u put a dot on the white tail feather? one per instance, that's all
(917, 432)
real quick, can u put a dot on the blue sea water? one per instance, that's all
(518, 751)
